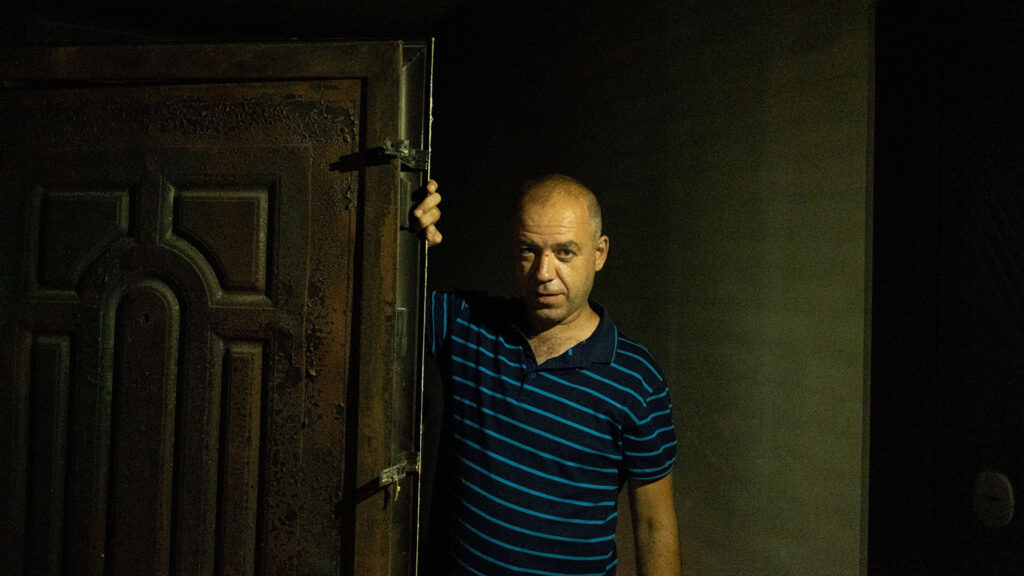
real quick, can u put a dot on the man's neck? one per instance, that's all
(552, 341)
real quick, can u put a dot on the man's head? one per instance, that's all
(557, 249)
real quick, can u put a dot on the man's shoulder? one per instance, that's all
(473, 299)
(635, 357)
(480, 308)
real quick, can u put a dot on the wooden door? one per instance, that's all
(200, 295)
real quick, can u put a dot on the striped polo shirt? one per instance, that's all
(541, 452)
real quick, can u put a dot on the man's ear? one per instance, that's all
(601, 252)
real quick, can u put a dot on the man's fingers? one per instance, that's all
(429, 204)
(432, 235)
(427, 214)
(427, 218)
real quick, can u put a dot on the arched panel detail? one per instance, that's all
(143, 410)
(74, 227)
(229, 226)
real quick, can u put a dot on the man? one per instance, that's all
(552, 409)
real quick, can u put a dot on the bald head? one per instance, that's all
(547, 189)
(557, 248)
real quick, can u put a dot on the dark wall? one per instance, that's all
(948, 322)
(729, 145)
(202, 20)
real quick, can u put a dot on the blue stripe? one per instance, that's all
(638, 377)
(614, 385)
(468, 567)
(650, 478)
(510, 566)
(637, 344)
(478, 368)
(433, 324)
(532, 533)
(648, 437)
(444, 326)
(558, 398)
(640, 358)
(653, 416)
(614, 457)
(592, 393)
(569, 423)
(501, 458)
(655, 453)
(476, 328)
(532, 552)
(658, 396)
(490, 496)
(534, 492)
(532, 449)
(656, 470)
(487, 352)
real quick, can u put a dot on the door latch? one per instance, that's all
(389, 150)
(403, 150)
(408, 462)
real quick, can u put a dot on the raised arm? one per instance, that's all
(426, 215)
(655, 529)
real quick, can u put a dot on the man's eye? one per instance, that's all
(567, 253)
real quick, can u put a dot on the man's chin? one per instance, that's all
(547, 315)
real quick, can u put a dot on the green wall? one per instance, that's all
(729, 144)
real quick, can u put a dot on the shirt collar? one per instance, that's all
(599, 347)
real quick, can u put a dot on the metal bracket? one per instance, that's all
(403, 150)
(407, 462)
(390, 150)
(390, 476)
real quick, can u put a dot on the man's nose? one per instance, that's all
(545, 269)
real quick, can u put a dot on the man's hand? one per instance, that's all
(426, 215)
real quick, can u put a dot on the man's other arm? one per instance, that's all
(655, 528)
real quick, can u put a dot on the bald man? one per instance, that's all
(552, 409)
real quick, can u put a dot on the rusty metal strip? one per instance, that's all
(421, 367)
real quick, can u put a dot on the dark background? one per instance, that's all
(946, 394)
(816, 221)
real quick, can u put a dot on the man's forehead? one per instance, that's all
(560, 209)
(553, 237)
(555, 204)
(554, 193)
(557, 238)
(552, 221)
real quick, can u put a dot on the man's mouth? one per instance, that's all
(546, 298)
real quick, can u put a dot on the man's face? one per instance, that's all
(556, 257)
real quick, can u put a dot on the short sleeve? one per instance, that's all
(650, 445)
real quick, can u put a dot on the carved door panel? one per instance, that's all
(193, 292)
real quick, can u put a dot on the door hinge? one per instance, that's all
(403, 150)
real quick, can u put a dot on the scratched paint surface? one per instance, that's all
(205, 212)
